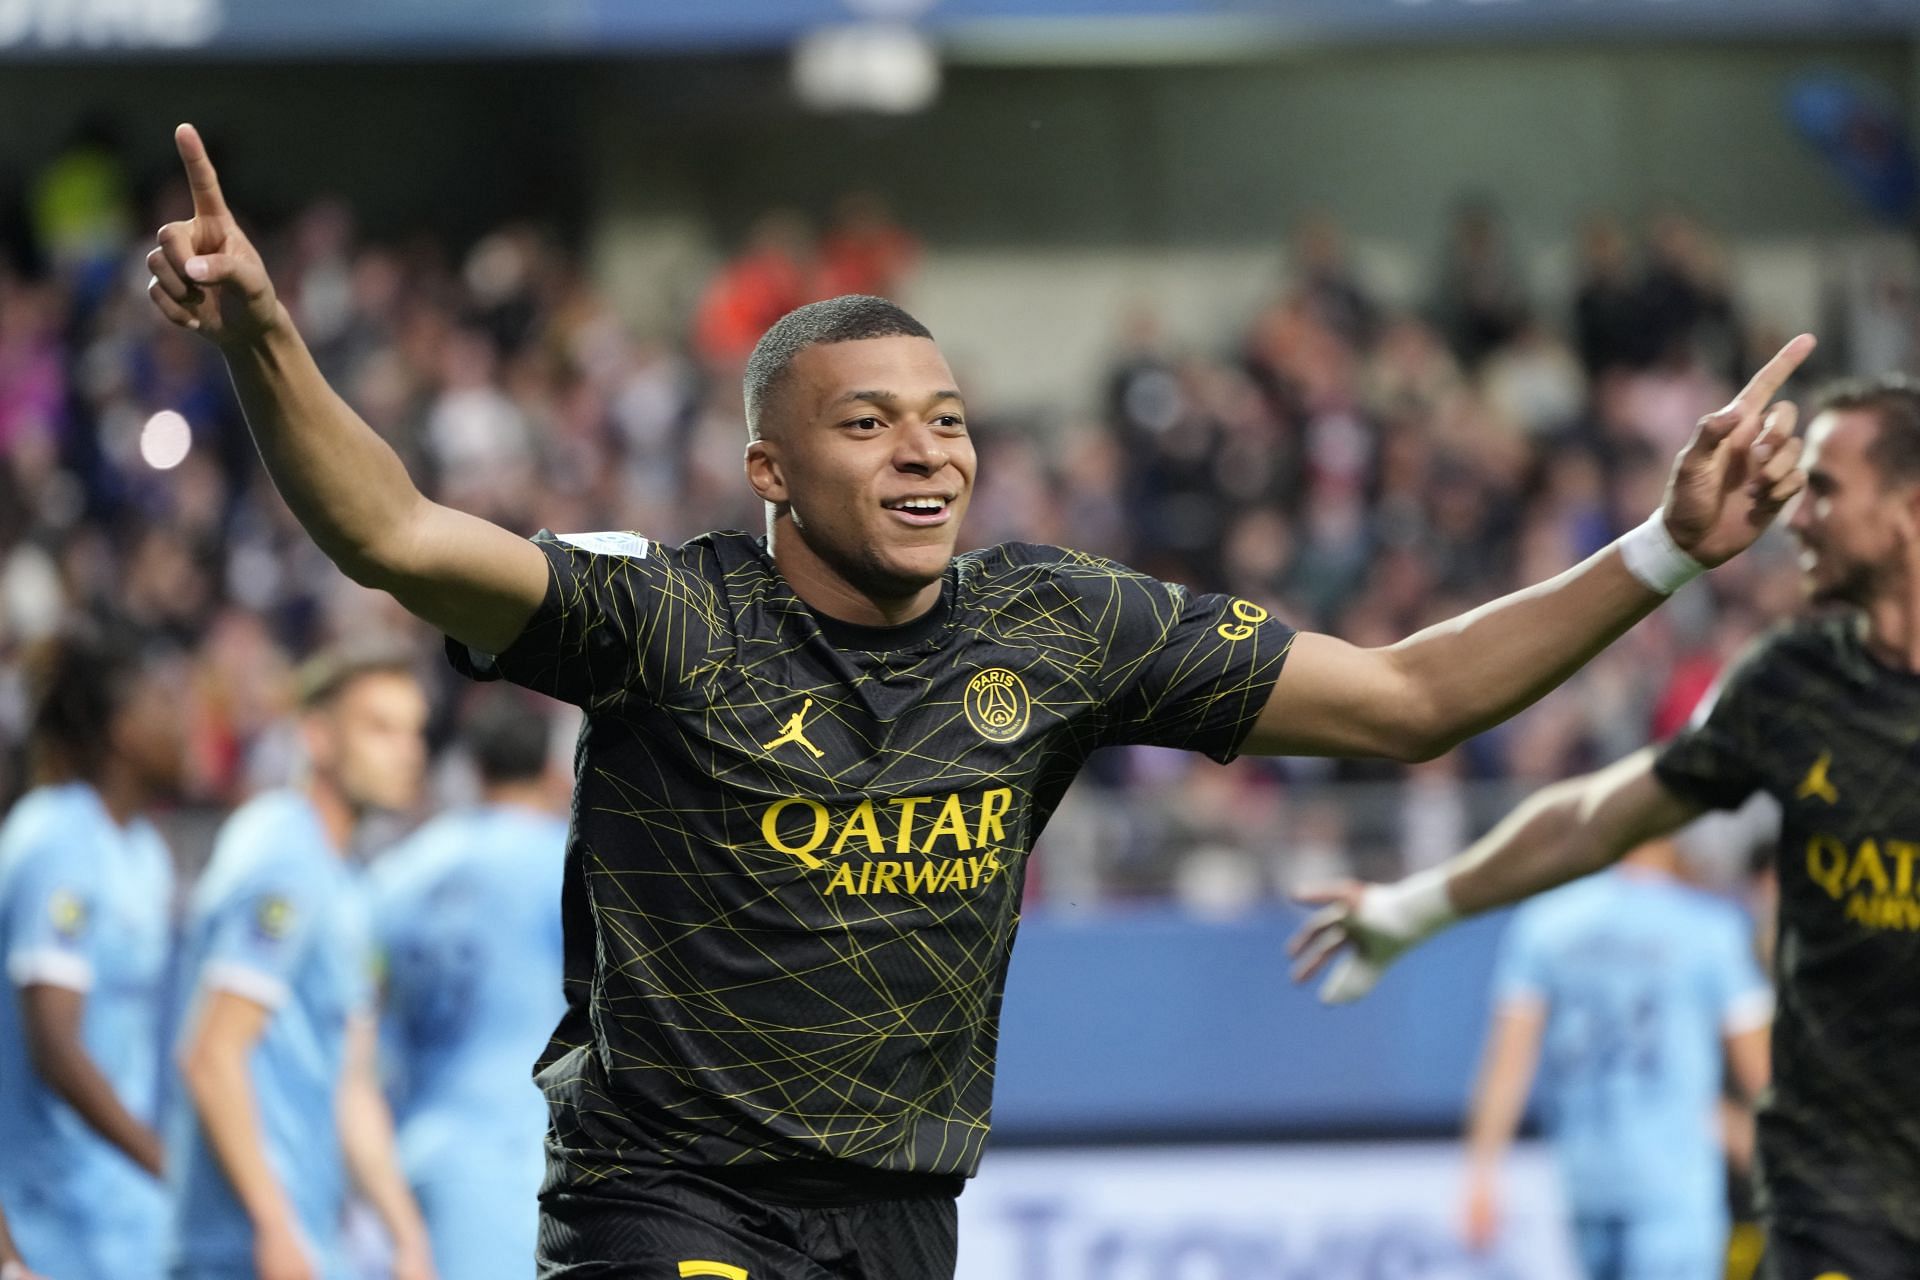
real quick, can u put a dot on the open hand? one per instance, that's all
(1741, 466)
(207, 276)
(1339, 934)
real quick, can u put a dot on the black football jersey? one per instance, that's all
(797, 850)
(1809, 716)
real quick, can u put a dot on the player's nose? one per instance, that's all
(919, 449)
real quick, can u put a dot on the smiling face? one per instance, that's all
(1852, 520)
(864, 453)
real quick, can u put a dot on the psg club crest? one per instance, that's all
(998, 705)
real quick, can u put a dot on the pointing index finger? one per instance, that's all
(201, 179)
(1774, 374)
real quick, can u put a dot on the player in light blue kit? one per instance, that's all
(86, 896)
(1626, 989)
(467, 914)
(282, 1101)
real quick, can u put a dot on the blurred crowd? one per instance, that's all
(1363, 468)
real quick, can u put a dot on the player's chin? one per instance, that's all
(912, 564)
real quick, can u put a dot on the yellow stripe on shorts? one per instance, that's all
(720, 1270)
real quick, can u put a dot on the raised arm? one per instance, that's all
(472, 579)
(1419, 698)
(1562, 832)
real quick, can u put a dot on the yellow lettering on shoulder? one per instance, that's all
(717, 1270)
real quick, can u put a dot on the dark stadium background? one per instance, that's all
(1366, 310)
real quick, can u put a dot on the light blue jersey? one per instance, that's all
(278, 917)
(467, 915)
(85, 904)
(1642, 978)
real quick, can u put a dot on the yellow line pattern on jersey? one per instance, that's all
(893, 1046)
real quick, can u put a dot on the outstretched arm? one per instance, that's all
(1419, 698)
(1562, 832)
(1499, 1100)
(472, 579)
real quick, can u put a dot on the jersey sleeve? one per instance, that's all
(52, 920)
(587, 643)
(1520, 965)
(1181, 670)
(1712, 762)
(258, 937)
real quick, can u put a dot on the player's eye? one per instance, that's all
(868, 423)
(951, 421)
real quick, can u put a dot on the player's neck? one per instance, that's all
(1892, 629)
(121, 793)
(822, 588)
(337, 817)
(517, 795)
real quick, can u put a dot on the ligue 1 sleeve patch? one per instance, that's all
(68, 913)
(610, 543)
(273, 918)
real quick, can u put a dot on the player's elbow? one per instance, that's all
(384, 559)
(53, 1059)
(1422, 731)
(204, 1067)
(1425, 736)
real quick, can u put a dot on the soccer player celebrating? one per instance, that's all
(86, 886)
(277, 1051)
(1823, 715)
(467, 914)
(1641, 991)
(813, 764)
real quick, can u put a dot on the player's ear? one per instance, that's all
(764, 472)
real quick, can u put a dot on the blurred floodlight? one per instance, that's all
(165, 440)
(868, 66)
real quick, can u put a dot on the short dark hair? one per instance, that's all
(851, 317)
(1894, 400)
(325, 676)
(509, 740)
(78, 682)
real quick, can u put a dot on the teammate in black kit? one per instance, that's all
(1824, 715)
(814, 763)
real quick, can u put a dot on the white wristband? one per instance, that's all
(1410, 910)
(1651, 555)
(1388, 919)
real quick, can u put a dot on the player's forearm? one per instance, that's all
(67, 1069)
(366, 1140)
(1539, 846)
(1467, 674)
(221, 1091)
(1566, 831)
(1500, 1097)
(343, 482)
